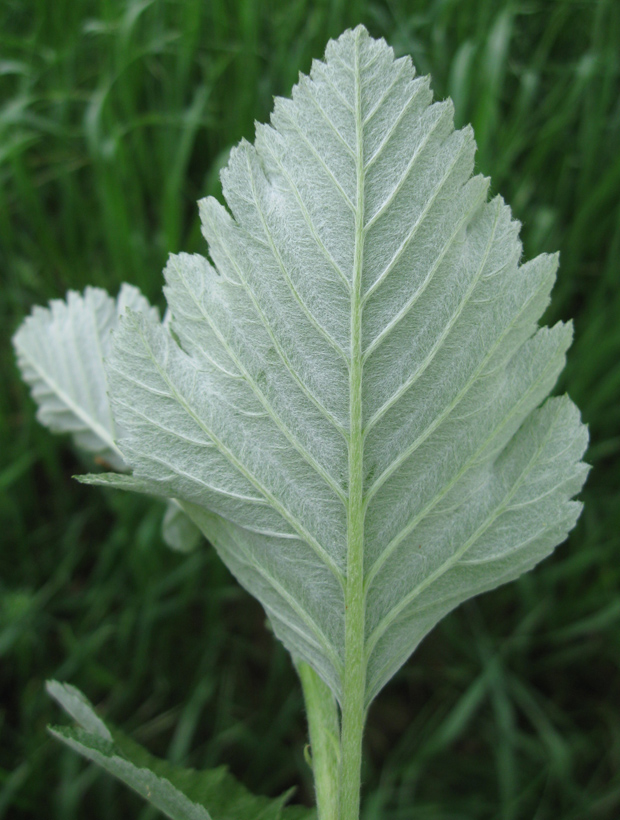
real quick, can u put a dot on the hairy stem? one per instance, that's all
(323, 725)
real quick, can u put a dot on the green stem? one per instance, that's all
(353, 711)
(324, 730)
(353, 707)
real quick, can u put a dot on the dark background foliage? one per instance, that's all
(115, 116)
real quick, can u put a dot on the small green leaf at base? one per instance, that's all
(181, 794)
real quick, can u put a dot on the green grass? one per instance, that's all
(114, 118)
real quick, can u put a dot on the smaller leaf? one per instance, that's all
(61, 351)
(182, 794)
(157, 790)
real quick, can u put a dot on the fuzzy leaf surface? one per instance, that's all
(359, 355)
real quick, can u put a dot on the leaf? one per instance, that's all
(348, 400)
(182, 794)
(60, 351)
